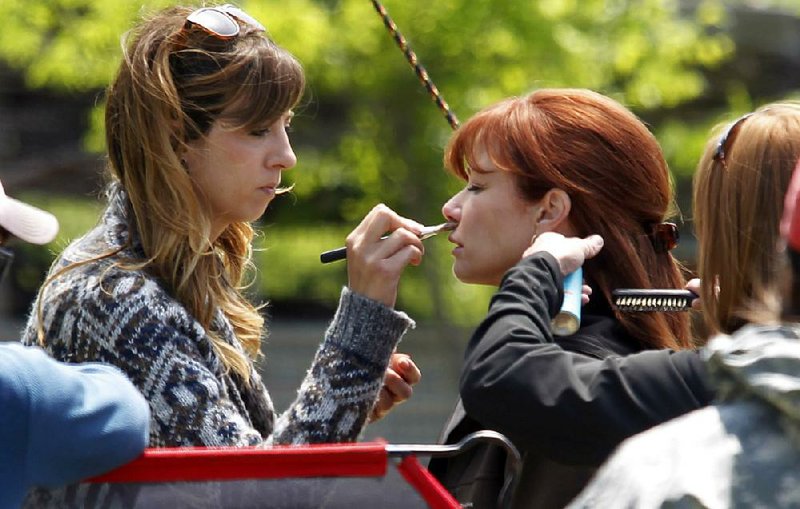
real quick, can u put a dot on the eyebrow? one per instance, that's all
(479, 170)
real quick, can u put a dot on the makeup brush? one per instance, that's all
(425, 233)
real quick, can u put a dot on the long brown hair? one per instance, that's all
(738, 204)
(615, 174)
(173, 83)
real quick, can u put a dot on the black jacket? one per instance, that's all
(566, 403)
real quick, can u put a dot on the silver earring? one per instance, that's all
(535, 233)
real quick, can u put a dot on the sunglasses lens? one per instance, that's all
(726, 140)
(242, 16)
(215, 22)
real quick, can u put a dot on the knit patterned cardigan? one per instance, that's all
(100, 312)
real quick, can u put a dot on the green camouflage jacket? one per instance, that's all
(744, 451)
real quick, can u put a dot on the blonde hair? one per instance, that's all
(737, 212)
(173, 83)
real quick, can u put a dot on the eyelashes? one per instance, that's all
(263, 132)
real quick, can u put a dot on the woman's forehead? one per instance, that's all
(486, 156)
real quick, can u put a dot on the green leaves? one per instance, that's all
(369, 132)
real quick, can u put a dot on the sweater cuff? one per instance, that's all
(367, 326)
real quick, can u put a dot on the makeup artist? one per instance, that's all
(197, 122)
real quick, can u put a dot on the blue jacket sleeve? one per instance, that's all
(60, 423)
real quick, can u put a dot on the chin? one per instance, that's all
(465, 275)
(256, 214)
(476, 277)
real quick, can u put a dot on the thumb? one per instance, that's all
(592, 245)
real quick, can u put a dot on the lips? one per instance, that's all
(459, 246)
(269, 188)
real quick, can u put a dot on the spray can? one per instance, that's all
(568, 319)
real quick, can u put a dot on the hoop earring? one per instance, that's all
(535, 234)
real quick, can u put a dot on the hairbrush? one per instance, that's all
(634, 300)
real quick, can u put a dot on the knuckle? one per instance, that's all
(351, 239)
(403, 394)
(406, 235)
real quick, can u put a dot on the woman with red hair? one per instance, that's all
(562, 163)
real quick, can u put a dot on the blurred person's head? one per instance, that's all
(577, 163)
(739, 189)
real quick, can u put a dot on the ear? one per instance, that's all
(554, 209)
(183, 152)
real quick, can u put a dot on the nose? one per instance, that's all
(283, 158)
(451, 210)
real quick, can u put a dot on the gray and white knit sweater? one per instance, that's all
(99, 312)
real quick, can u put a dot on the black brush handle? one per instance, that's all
(340, 253)
(333, 255)
(653, 292)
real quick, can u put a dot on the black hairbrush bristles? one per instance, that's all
(635, 300)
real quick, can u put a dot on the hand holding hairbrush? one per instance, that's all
(630, 300)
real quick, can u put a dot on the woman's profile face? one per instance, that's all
(236, 172)
(495, 224)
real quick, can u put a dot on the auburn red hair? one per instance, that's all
(614, 172)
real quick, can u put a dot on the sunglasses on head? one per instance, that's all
(726, 140)
(222, 22)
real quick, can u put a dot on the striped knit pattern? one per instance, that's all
(99, 312)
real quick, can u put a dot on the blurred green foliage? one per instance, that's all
(369, 133)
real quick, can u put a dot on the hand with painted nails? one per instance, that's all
(375, 261)
(401, 375)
